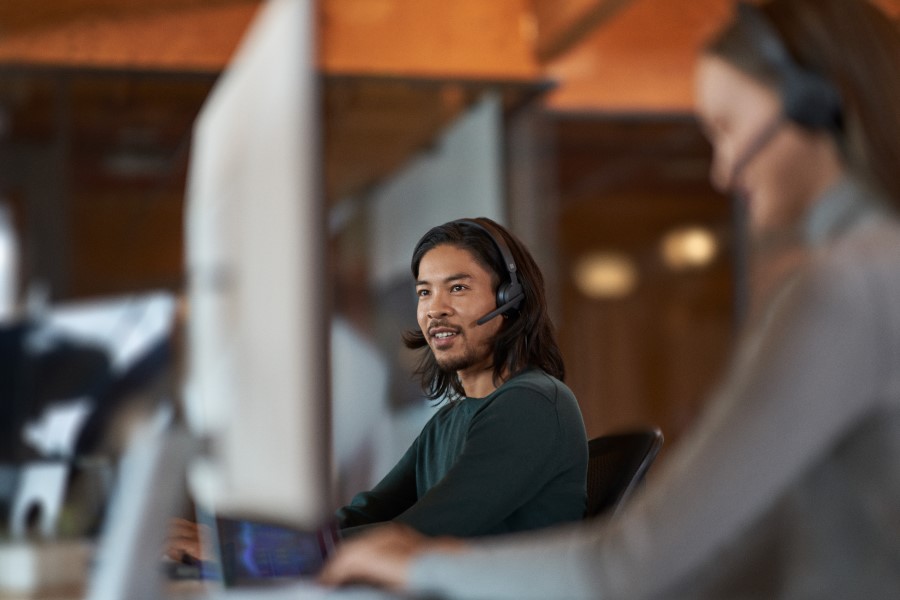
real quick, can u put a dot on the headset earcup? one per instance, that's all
(808, 98)
(811, 101)
(509, 295)
(507, 292)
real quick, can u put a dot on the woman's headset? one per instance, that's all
(809, 99)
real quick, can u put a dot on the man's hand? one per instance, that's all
(184, 539)
(382, 557)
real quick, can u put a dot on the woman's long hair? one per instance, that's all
(526, 339)
(856, 48)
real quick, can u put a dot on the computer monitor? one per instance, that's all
(257, 362)
(256, 383)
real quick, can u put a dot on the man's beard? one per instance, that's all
(457, 363)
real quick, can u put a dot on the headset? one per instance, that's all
(809, 99)
(509, 295)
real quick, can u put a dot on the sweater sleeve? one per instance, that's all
(391, 496)
(506, 458)
(802, 382)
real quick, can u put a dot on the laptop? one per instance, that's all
(253, 553)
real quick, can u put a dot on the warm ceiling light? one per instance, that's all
(605, 275)
(689, 248)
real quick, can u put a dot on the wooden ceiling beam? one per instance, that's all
(637, 57)
(472, 39)
(463, 39)
(187, 38)
(561, 24)
(640, 61)
(19, 16)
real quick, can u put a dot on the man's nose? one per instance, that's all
(438, 306)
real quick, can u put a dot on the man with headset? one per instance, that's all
(507, 452)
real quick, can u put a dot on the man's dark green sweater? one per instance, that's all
(512, 461)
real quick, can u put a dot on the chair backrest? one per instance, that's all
(617, 463)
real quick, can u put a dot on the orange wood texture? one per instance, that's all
(641, 60)
(891, 7)
(639, 57)
(192, 38)
(562, 23)
(433, 38)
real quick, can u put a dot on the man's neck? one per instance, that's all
(479, 383)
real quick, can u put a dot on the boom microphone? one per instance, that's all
(500, 310)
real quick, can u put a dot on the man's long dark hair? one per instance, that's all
(526, 339)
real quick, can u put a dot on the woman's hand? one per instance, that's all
(382, 557)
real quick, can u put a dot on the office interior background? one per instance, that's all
(568, 120)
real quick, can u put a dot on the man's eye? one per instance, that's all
(458, 288)
(421, 293)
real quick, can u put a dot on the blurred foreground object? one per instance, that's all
(74, 381)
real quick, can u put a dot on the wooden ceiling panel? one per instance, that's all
(432, 38)
(19, 16)
(641, 60)
(562, 23)
(190, 36)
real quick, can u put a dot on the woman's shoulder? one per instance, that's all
(866, 256)
(852, 279)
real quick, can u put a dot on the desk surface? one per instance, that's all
(196, 590)
(294, 591)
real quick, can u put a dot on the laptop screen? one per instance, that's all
(252, 552)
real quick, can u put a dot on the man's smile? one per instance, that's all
(442, 336)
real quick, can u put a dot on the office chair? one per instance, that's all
(617, 463)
